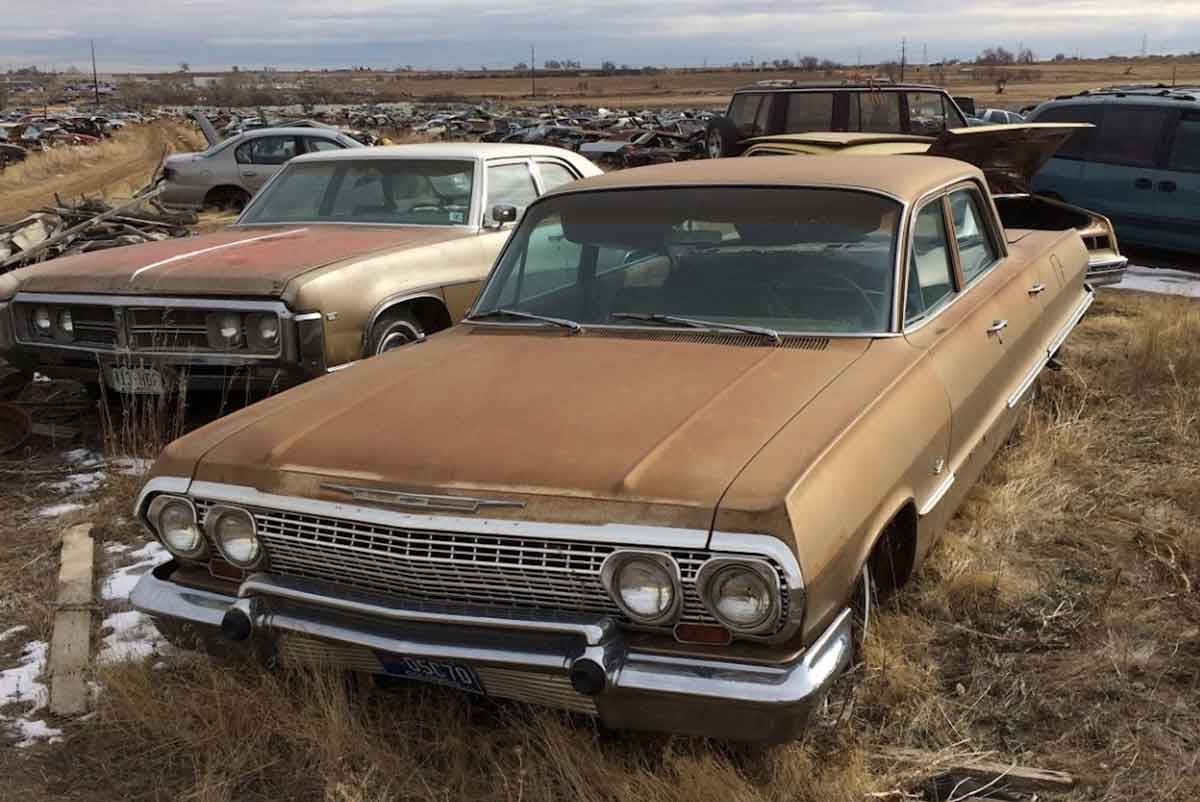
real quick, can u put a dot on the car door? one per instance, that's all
(1122, 170)
(1176, 220)
(262, 157)
(987, 333)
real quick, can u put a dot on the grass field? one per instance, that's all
(1057, 625)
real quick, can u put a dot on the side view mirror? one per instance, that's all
(503, 213)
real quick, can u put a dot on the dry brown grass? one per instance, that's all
(1057, 624)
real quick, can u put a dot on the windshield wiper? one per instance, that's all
(691, 322)
(570, 325)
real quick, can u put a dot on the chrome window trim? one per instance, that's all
(954, 289)
(998, 241)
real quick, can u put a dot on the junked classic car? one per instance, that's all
(697, 415)
(1009, 155)
(345, 254)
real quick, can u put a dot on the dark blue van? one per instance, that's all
(1139, 166)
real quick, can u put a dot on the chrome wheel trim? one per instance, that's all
(398, 334)
(715, 145)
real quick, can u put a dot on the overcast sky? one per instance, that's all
(215, 34)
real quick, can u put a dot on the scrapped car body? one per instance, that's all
(695, 408)
(229, 173)
(344, 255)
(1009, 156)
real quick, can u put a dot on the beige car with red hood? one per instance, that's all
(697, 415)
(344, 254)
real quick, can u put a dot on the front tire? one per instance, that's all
(394, 330)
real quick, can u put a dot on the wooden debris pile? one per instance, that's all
(88, 226)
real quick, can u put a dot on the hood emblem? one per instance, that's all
(420, 501)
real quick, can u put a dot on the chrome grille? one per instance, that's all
(168, 329)
(428, 565)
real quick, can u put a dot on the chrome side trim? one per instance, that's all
(937, 495)
(1045, 356)
(628, 534)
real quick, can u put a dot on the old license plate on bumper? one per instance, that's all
(138, 381)
(453, 675)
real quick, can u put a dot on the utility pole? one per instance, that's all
(95, 80)
(532, 74)
(903, 56)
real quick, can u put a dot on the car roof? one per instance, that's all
(881, 85)
(269, 131)
(1141, 94)
(905, 177)
(836, 139)
(439, 150)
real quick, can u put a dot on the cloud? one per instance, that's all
(470, 33)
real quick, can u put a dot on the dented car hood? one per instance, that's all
(655, 424)
(237, 261)
(1009, 155)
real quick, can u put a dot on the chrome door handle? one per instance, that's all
(997, 326)
(1037, 288)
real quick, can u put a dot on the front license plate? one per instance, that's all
(453, 675)
(137, 381)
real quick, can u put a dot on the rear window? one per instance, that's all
(1081, 143)
(808, 111)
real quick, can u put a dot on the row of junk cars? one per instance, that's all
(646, 445)
(22, 133)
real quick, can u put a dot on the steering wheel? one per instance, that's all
(837, 277)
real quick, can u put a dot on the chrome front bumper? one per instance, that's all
(571, 661)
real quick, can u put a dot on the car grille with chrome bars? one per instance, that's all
(430, 565)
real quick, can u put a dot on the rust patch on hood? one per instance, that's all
(254, 260)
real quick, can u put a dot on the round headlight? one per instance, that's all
(224, 329)
(644, 586)
(65, 322)
(233, 531)
(268, 328)
(743, 597)
(229, 326)
(41, 319)
(174, 519)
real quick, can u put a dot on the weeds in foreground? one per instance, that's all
(1057, 624)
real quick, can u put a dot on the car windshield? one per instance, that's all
(786, 259)
(381, 191)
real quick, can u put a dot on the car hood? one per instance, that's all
(655, 424)
(1009, 155)
(238, 261)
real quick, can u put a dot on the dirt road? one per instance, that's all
(115, 167)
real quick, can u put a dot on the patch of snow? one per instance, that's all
(55, 510)
(1162, 281)
(84, 457)
(133, 637)
(8, 633)
(20, 685)
(79, 482)
(132, 466)
(116, 548)
(119, 584)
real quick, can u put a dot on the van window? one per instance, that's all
(1185, 145)
(1080, 145)
(1130, 135)
(809, 111)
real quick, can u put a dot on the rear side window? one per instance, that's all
(743, 111)
(266, 150)
(808, 111)
(554, 175)
(880, 111)
(1080, 145)
(315, 145)
(975, 248)
(1130, 135)
(927, 113)
(930, 279)
(1185, 145)
(511, 184)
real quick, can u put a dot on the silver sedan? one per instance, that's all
(229, 173)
